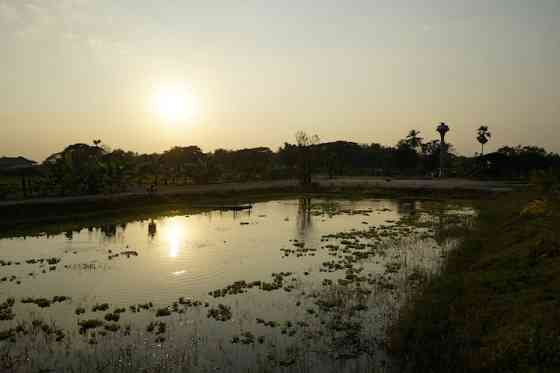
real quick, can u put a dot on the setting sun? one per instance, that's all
(174, 104)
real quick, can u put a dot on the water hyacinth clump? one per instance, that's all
(220, 313)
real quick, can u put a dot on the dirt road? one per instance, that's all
(346, 182)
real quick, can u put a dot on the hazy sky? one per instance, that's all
(366, 71)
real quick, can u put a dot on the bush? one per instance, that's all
(545, 181)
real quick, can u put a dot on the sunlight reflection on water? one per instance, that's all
(175, 232)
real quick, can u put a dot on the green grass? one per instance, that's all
(495, 307)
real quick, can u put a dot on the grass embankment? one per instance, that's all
(495, 306)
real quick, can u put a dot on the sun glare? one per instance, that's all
(175, 235)
(174, 104)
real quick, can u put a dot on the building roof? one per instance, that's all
(15, 162)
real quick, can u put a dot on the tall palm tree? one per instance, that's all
(442, 129)
(483, 136)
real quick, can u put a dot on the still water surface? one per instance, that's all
(188, 256)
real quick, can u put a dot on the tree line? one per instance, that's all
(81, 169)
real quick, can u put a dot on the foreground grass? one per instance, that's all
(494, 308)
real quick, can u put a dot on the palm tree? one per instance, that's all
(413, 139)
(483, 137)
(442, 129)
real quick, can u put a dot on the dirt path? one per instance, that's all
(347, 182)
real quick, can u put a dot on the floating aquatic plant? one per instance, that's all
(80, 310)
(221, 313)
(163, 312)
(112, 317)
(100, 307)
(86, 325)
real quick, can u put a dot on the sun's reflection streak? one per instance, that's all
(174, 235)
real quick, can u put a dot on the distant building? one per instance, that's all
(9, 163)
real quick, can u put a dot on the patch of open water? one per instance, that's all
(303, 285)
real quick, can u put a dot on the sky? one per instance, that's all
(252, 73)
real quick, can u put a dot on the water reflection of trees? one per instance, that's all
(152, 229)
(407, 207)
(240, 213)
(304, 221)
(236, 214)
(449, 225)
(108, 230)
(113, 232)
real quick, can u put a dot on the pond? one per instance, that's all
(289, 285)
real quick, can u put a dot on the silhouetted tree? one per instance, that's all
(77, 169)
(519, 161)
(483, 136)
(183, 162)
(118, 169)
(414, 140)
(406, 156)
(342, 158)
(442, 129)
(305, 145)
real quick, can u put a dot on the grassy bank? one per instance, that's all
(495, 306)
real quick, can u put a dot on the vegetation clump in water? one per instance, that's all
(113, 317)
(86, 325)
(221, 313)
(6, 309)
(100, 307)
(112, 327)
(157, 327)
(163, 312)
(41, 302)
